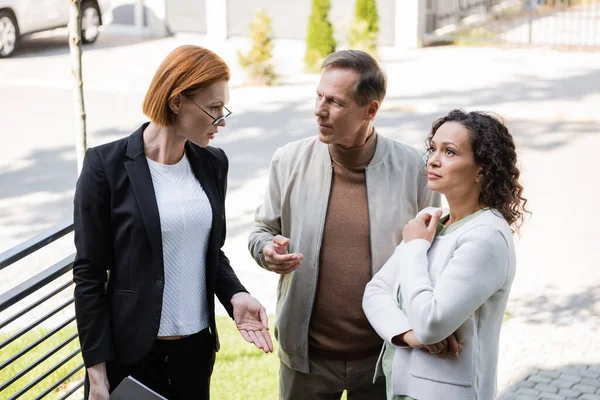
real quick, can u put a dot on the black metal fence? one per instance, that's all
(557, 23)
(45, 375)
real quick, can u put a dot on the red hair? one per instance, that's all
(185, 70)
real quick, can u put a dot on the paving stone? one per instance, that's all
(585, 388)
(575, 369)
(589, 396)
(550, 374)
(590, 374)
(590, 382)
(528, 392)
(539, 379)
(551, 396)
(569, 393)
(545, 388)
(525, 384)
(568, 376)
(562, 384)
(526, 397)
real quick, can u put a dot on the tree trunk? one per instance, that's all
(76, 71)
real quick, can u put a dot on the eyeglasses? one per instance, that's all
(215, 120)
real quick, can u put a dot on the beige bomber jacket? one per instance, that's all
(295, 205)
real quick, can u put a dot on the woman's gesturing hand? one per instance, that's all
(251, 320)
(422, 227)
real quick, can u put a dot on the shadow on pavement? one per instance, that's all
(113, 133)
(43, 170)
(552, 307)
(39, 192)
(252, 136)
(549, 134)
(56, 42)
(295, 120)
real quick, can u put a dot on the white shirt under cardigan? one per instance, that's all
(185, 224)
(460, 283)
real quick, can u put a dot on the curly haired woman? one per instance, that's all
(439, 301)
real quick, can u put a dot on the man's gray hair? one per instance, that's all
(372, 81)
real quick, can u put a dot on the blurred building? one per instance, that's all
(402, 23)
(227, 18)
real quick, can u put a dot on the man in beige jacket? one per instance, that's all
(332, 215)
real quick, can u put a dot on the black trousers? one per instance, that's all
(176, 369)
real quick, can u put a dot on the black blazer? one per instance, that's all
(117, 229)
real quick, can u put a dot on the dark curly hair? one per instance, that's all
(494, 150)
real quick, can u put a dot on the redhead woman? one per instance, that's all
(439, 301)
(149, 227)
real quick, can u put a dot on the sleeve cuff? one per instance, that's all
(417, 245)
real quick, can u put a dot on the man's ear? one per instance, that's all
(372, 110)
(175, 103)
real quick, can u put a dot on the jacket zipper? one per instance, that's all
(369, 219)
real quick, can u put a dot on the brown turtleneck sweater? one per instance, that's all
(338, 327)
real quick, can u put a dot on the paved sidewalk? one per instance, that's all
(578, 381)
(551, 351)
(549, 344)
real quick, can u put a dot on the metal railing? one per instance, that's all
(555, 23)
(13, 297)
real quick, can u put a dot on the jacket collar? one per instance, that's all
(135, 146)
(141, 182)
(143, 189)
(381, 150)
(135, 142)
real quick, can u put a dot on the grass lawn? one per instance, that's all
(30, 357)
(241, 370)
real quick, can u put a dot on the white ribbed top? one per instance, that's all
(185, 224)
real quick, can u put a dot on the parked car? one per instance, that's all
(23, 17)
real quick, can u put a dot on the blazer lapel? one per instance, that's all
(143, 189)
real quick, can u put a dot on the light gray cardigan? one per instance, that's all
(460, 283)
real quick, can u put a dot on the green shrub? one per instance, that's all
(365, 27)
(258, 61)
(319, 38)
